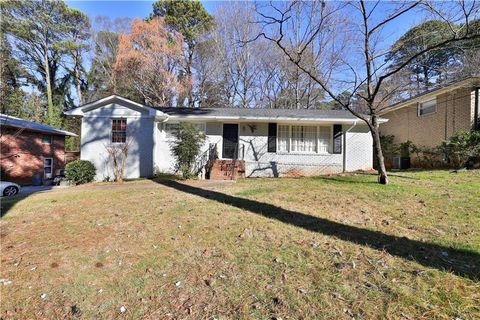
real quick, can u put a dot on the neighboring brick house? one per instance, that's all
(434, 116)
(28, 148)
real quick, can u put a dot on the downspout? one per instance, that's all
(476, 113)
(345, 146)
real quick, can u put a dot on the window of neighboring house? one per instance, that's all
(47, 139)
(427, 107)
(119, 130)
(47, 167)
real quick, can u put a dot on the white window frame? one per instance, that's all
(111, 131)
(420, 104)
(317, 148)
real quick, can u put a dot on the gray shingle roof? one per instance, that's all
(9, 121)
(260, 113)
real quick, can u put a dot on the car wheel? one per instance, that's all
(10, 191)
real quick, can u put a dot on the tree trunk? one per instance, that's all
(78, 81)
(382, 172)
(190, 79)
(425, 78)
(49, 89)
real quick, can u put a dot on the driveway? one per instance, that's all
(34, 189)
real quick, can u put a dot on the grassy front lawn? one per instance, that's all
(336, 247)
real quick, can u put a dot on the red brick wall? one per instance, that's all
(22, 154)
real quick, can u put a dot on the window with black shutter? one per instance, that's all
(272, 137)
(337, 138)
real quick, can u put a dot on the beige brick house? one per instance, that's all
(434, 116)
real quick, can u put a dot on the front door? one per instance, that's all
(230, 141)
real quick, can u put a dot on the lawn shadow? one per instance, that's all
(6, 203)
(460, 262)
(343, 179)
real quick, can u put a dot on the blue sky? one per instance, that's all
(143, 8)
(113, 9)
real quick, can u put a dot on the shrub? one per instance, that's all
(460, 147)
(80, 171)
(186, 148)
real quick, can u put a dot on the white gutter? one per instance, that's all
(345, 146)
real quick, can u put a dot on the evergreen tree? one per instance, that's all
(189, 18)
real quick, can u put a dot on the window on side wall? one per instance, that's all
(119, 130)
(200, 126)
(172, 128)
(47, 139)
(427, 107)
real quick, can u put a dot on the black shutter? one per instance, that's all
(272, 137)
(337, 138)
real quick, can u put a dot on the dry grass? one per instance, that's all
(260, 248)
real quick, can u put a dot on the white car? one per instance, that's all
(8, 189)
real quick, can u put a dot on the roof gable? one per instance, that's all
(112, 100)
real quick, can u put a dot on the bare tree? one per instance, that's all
(118, 154)
(348, 44)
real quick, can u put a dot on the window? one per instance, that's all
(427, 107)
(119, 130)
(304, 139)
(324, 139)
(272, 137)
(308, 139)
(172, 128)
(47, 168)
(200, 126)
(283, 138)
(47, 139)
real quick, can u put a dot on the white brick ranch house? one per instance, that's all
(267, 142)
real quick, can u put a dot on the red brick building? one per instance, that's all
(28, 148)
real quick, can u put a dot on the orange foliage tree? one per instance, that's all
(149, 61)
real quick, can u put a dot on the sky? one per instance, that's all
(143, 8)
(113, 9)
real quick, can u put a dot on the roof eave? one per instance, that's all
(263, 119)
(55, 132)
(473, 81)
